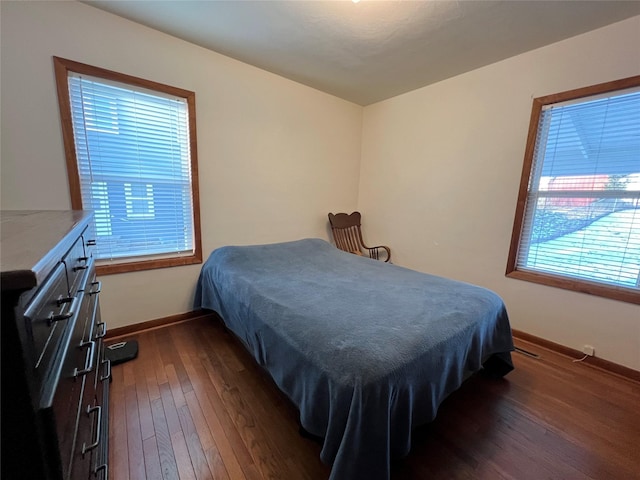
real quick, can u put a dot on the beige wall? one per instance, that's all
(274, 156)
(440, 172)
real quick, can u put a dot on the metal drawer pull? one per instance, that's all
(92, 351)
(105, 468)
(104, 330)
(57, 318)
(97, 408)
(52, 318)
(107, 362)
(97, 290)
(62, 300)
(91, 243)
(80, 267)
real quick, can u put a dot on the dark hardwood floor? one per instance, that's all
(194, 405)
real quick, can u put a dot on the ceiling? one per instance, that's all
(372, 50)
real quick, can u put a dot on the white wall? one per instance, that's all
(274, 156)
(440, 171)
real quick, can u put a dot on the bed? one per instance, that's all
(367, 351)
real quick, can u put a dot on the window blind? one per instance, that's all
(132, 149)
(582, 217)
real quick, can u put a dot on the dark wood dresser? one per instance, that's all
(55, 378)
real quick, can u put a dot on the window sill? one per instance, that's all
(109, 269)
(615, 293)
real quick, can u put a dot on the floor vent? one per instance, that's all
(527, 353)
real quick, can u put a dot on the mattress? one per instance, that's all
(366, 350)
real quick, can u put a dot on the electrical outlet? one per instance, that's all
(588, 350)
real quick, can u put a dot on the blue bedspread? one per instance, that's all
(366, 350)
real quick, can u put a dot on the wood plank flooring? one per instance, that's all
(194, 405)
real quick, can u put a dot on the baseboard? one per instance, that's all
(157, 323)
(596, 362)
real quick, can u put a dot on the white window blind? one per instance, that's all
(132, 149)
(582, 218)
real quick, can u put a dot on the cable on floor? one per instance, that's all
(580, 359)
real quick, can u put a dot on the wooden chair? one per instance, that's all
(348, 235)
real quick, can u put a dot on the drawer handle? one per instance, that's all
(91, 243)
(107, 362)
(98, 289)
(105, 468)
(80, 267)
(62, 300)
(59, 317)
(92, 351)
(86, 448)
(103, 332)
(52, 318)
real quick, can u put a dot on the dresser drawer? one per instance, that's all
(100, 456)
(47, 316)
(88, 238)
(76, 262)
(88, 436)
(104, 366)
(92, 429)
(69, 391)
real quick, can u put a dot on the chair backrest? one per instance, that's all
(346, 231)
(348, 236)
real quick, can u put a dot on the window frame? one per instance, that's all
(62, 68)
(568, 283)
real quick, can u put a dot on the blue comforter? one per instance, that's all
(366, 350)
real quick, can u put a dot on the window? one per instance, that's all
(131, 158)
(577, 223)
